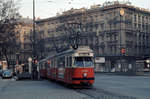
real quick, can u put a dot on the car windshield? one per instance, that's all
(7, 71)
(83, 61)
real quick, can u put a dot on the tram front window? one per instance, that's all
(83, 62)
(79, 62)
(88, 61)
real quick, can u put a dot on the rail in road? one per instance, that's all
(95, 93)
(90, 93)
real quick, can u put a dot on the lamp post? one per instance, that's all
(121, 14)
(34, 40)
(34, 65)
(17, 63)
(17, 58)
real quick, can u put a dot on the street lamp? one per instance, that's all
(17, 62)
(121, 14)
(34, 65)
(34, 40)
(17, 58)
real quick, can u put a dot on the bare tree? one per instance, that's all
(8, 20)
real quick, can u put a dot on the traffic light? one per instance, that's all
(123, 51)
(48, 62)
(35, 61)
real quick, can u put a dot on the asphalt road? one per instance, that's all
(134, 86)
(105, 87)
(10, 89)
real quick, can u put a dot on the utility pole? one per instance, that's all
(34, 41)
(34, 66)
(121, 14)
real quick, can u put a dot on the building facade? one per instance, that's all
(18, 43)
(118, 33)
(23, 41)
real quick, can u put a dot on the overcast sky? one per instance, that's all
(49, 8)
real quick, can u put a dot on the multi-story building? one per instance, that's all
(24, 40)
(19, 46)
(23, 31)
(118, 33)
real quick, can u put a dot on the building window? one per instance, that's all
(147, 27)
(139, 19)
(102, 26)
(115, 26)
(139, 26)
(115, 37)
(102, 38)
(91, 18)
(111, 49)
(115, 50)
(143, 19)
(135, 18)
(110, 25)
(102, 15)
(135, 25)
(102, 50)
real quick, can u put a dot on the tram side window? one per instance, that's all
(46, 65)
(69, 61)
(52, 63)
(66, 61)
(55, 62)
(40, 66)
(61, 61)
(43, 66)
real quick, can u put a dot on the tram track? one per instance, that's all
(94, 93)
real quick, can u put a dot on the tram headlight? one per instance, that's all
(84, 74)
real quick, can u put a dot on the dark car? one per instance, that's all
(0, 72)
(7, 74)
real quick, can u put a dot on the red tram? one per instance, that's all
(75, 67)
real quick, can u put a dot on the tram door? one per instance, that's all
(69, 68)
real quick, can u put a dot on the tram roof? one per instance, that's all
(61, 53)
(81, 49)
(42, 60)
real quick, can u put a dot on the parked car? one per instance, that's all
(6, 74)
(0, 72)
